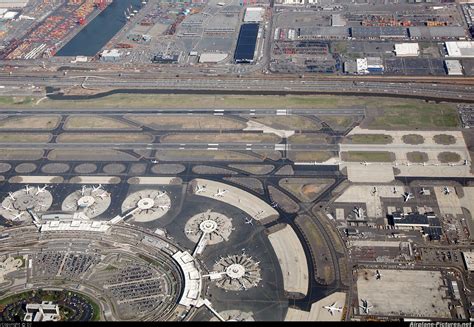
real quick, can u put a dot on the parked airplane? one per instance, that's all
(200, 189)
(365, 163)
(394, 190)
(365, 306)
(27, 189)
(274, 204)
(374, 190)
(95, 189)
(332, 308)
(161, 194)
(446, 190)
(423, 190)
(18, 216)
(10, 195)
(359, 212)
(103, 195)
(41, 189)
(154, 161)
(9, 208)
(377, 274)
(83, 190)
(407, 196)
(220, 193)
(164, 207)
(248, 221)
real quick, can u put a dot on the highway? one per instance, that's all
(262, 85)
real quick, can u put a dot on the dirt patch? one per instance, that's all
(444, 139)
(283, 200)
(96, 122)
(417, 157)
(449, 157)
(319, 156)
(413, 139)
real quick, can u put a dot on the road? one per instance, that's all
(260, 85)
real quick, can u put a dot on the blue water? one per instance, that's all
(98, 32)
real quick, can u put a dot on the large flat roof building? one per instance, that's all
(407, 49)
(460, 49)
(468, 260)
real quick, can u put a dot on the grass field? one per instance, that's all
(30, 122)
(104, 138)
(95, 122)
(370, 139)
(194, 122)
(203, 155)
(21, 154)
(338, 122)
(24, 138)
(369, 156)
(417, 157)
(308, 138)
(449, 157)
(413, 139)
(318, 156)
(221, 138)
(288, 122)
(444, 139)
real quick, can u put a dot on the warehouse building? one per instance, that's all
(468, 260)
(407, 49)
(378, 32)
(460, 49)
(110, 55)
(324, 32)
(253, 15)
(212, 57)
(427, 223)
(246, 43)
(436, 33)
(453, 67)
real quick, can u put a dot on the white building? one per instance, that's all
(13, 3)
(468, 260)
(46, 311)
(453, 67)
(110, 55)
(407, 49)
(460, 49)
(211, 57)
(253, 15)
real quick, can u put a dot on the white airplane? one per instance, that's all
(200, 189)
(27, 189)
(446, 190)
(407, 196)
(154, 161)
(332, 308)
(164, 207)
(423, 190)
(83, 190)
(365, 163)
(451, 164)
(365, 306)
(359, 212)
(41, 189)
(18, 216)
(374, 190)
(248, 221)
(220, 193)
(103, 195)
(10, 195)
(408, 163)
(161, 194)
(274, 204)
(9, 208)
(394, 190)
(95, 189)
(466, 162)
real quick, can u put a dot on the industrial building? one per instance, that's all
(460, 49)
(437, 32)
(407, 49)
(378, 32)
(453, 67)
(427, 223)
(13, 3)
(246, 43)
(468, 260)
(110, 55)
(324, 32)
(46, 311)
(212, 57)
(253, 15)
